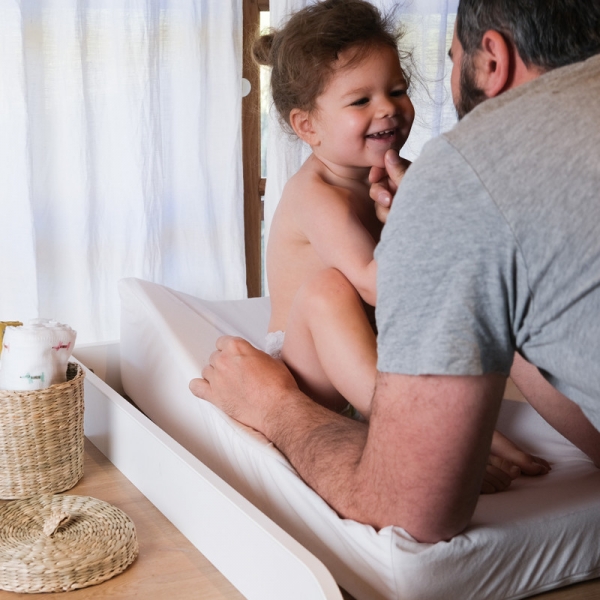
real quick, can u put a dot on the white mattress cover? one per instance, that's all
(541, 534)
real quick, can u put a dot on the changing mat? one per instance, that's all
(542, 533)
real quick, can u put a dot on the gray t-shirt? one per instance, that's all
(493, 242)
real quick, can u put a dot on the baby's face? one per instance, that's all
(364, 110)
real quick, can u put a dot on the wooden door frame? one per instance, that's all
(254, 185)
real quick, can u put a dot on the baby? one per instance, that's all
(338, 83)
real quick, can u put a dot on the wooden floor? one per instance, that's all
(168, 566)
(588, 590)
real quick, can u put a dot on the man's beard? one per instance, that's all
(470, 95)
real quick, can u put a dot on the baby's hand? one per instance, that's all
(385, 181)
(507, 462)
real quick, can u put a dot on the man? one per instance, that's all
(492, 247)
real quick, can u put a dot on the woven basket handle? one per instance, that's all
(57, 519)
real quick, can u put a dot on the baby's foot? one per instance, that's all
(528, 464)
(499, 474)
(506, 462)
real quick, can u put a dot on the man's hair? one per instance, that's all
(546, 33)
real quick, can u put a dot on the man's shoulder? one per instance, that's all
(433, 157)
(552, 99)
(439, 164)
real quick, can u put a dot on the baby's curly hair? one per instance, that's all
(303, 52)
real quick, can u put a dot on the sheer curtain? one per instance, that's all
(429, 25)
(120, 154)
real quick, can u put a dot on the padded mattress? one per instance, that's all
(542, 533)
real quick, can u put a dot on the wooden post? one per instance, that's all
(251, 151)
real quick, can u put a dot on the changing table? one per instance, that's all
(147, 481)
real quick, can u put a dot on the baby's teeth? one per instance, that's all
(380, 134)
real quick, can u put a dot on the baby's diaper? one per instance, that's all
(274, 343)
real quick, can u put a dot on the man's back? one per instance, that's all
(523, 170)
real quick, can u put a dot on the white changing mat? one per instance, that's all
(541, 534)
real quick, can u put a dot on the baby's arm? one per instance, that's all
(329, 221)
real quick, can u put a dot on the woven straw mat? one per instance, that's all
(60, 543)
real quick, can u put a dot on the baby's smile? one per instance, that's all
(383, 135)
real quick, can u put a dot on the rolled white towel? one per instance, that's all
(35, 356)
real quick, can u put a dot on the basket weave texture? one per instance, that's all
(41, 438)
(61, 543)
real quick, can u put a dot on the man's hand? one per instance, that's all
(244, 382)
(385, 181)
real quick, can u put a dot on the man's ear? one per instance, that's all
(303, 126)
(494, 64)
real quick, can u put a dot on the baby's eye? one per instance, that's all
(398, 92)
(360, 102)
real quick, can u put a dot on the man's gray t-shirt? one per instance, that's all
(493, 242)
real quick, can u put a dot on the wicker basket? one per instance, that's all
(41, 438)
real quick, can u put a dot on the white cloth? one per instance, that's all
(274, 343)
(35, 355)
(120, 154)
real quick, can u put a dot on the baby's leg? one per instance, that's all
(329, 344)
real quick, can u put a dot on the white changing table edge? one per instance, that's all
(258, 557)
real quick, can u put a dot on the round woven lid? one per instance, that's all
(59, 543)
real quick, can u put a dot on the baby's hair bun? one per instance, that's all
(261, 49)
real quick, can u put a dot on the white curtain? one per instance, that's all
(429, 25)
(120, 154)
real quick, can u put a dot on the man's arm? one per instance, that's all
(418, 465)
(425, 454)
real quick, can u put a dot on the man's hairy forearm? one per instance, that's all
(417, 469)
(419, 463)
(325, 448)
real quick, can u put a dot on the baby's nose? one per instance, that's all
(386, 107)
